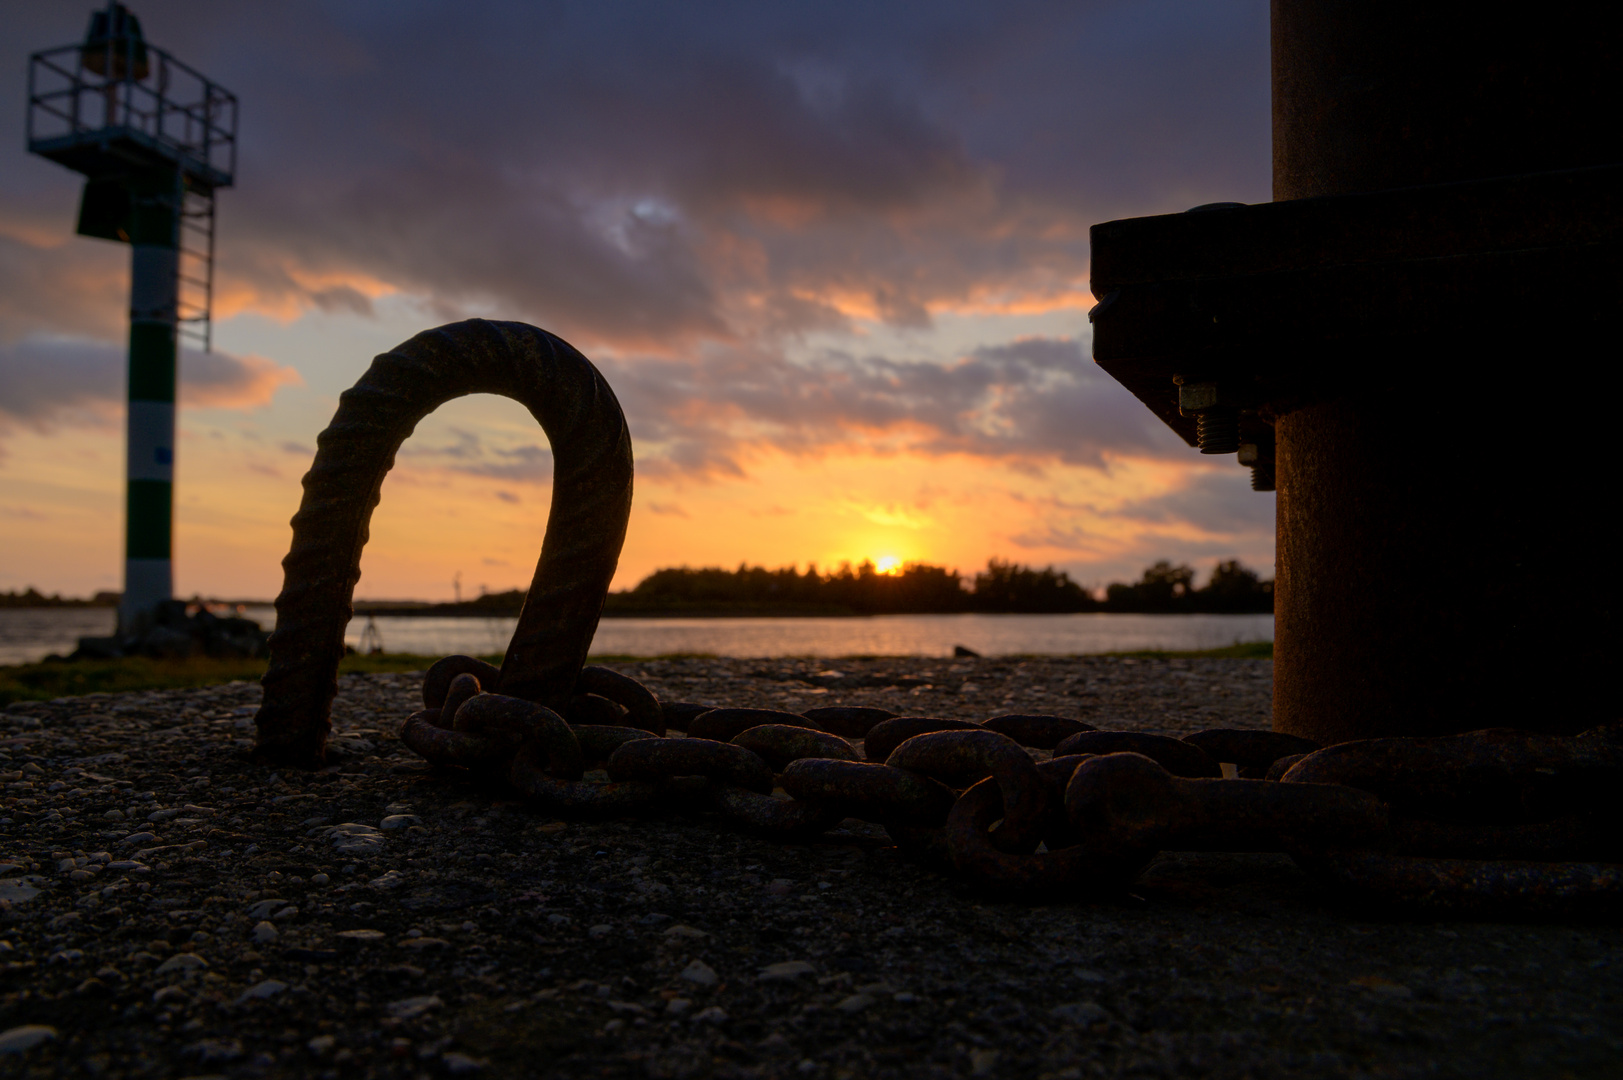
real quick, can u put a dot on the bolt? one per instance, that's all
(1217, 416)
(1262, 476)
(1218, 429)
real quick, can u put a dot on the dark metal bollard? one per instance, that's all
(1447, 221)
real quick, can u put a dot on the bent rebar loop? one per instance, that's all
(586, 527)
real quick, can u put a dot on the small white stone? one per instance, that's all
(682, 931)
(715, 1014)
(361, 935)
(398, 821)
(413, 1007)
(321, 1045)
(855, 1003)
(264, 933)
(701, 973)
(1080, 1012)
(461, 1064)
(600, 930)
(786, 969)
(267, 989)
(18, 1039)
(678, 1006)
(181, 962)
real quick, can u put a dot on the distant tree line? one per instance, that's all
(33, 598)
(1003, 587)
(919, 589)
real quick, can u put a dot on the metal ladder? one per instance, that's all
(194, 242)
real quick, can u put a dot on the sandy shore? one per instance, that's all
(169, 909)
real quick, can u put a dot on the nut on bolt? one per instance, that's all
(1262, 469)
(1216, 413)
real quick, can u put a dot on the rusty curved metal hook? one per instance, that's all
(586, 527)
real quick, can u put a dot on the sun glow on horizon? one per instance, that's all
(888, 564)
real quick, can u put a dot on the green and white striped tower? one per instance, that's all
(155, 140)
(149, 463)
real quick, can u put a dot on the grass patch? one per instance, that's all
(42, 682)
(1244, 650)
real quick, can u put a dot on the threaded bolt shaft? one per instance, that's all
(1262, 477)
(1218, 430)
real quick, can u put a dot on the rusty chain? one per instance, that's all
(1492, 821)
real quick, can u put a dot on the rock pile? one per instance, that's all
(172, 630)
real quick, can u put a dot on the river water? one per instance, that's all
(27, 635)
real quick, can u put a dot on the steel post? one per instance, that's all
(1441, 537)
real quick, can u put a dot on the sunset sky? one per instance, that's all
(833, 258)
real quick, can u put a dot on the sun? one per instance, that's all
(888, 564)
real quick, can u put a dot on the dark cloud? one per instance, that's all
(1235, 521)
(1034, 400)
(667, 509)
(651, 174)
(42, 380)
(470, 454)
(47, 380)
(1217, 502)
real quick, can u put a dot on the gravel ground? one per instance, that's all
(168, 908)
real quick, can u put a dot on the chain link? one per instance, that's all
(1497, 821)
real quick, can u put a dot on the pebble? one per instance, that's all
(1080, 1012)
(352, 838)
(264, 933)
(413, 1007)
(19, 1039)
(421, 943)
(700, 973)
(715, 1014)
(683, 932)
(182, 962)
(786, 969)
(268, 988)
